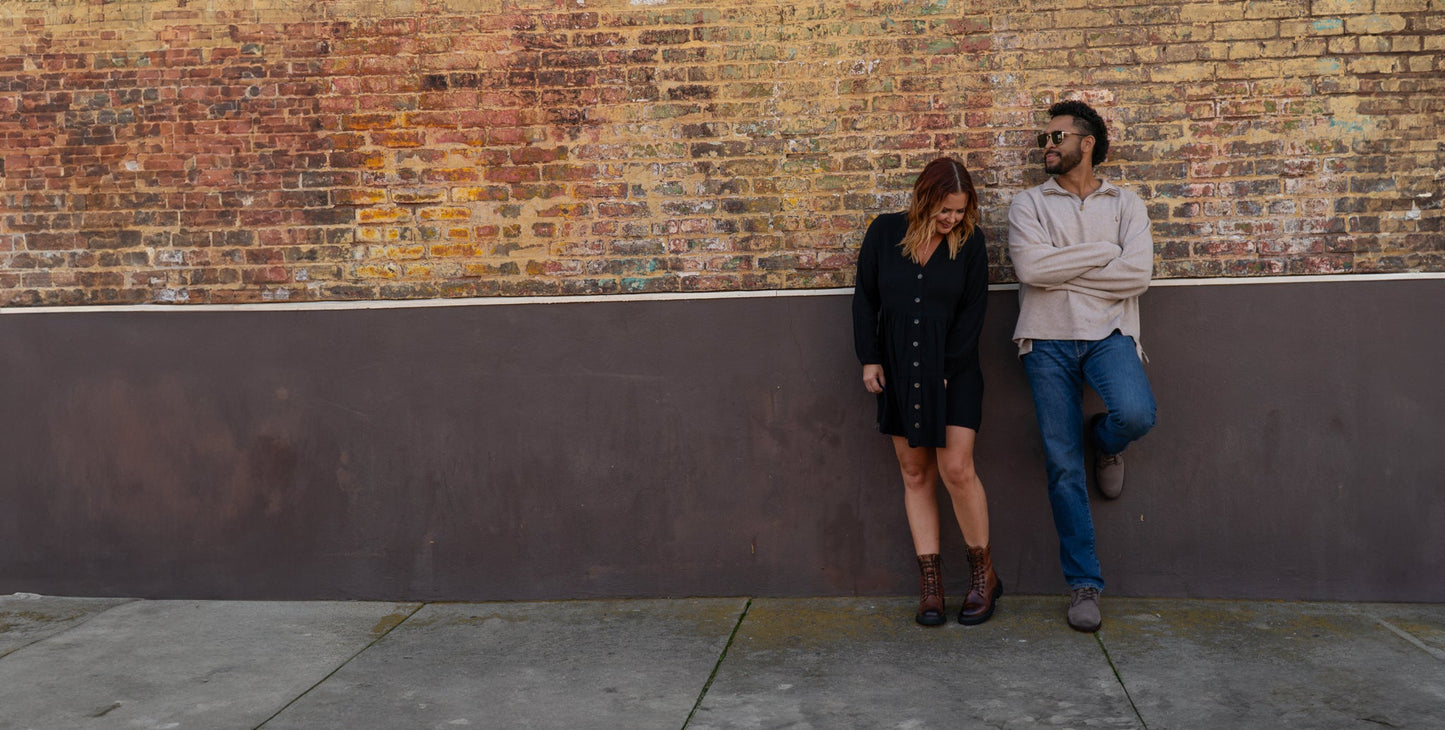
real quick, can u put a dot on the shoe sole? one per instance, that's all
(938, 620)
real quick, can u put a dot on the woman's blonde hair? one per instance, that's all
(941, 178)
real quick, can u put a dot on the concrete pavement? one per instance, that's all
(69, 663)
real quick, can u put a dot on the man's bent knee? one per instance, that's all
(1135, 422)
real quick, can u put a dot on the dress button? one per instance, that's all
(917, 425)
(920, 276)
(916, 300)
(915, 321)
(917, 407)
(915, 364)
(915, 343)
(915, 385)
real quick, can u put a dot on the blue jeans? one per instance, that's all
(1057, 371)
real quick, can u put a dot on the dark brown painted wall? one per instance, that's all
(706, 447)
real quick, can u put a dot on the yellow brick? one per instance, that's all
(1210, 12)
(412, 251)
(1375, 24)
(1148, 54)
(382, 215)
(1032, 21)
(1114, 74)
(1213, 51)
(1047, 59)
(1275, 9)
(1249, 70)
(1314, 27)
(445, 214)
(1341, 7)
(1326, 66)
(1051, 39)
(1403, 6)
(370, 271)
(1420, 64)
(474, 194)
(1370, 44)
(1405, 44)
(1374, 65)
(358, 197)
(1177, 72)
(1090, 19)
(1246, 30)
(1344, 45)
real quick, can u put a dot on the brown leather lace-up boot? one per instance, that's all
(984, 588)
(930, 585)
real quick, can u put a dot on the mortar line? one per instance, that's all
(1120, 679)
(717, 666)
(341, 666)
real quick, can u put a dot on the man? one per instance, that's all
(1083, 254)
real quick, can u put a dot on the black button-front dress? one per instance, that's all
(921, 323)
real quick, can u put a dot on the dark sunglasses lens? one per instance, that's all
(1044, 137)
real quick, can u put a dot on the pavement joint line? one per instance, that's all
(71, 627)
(1407, 636)
(1120, 680)
(715, 667)
(341, 666)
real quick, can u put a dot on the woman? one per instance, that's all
(917, 311)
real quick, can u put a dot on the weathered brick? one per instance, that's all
(695, 130)
(1375, 24)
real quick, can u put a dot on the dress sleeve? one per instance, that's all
(866, 300)
(961, 347)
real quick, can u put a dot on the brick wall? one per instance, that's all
(264, 150)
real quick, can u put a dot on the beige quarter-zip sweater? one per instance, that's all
(1081, 264)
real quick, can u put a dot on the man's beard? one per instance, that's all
(1064, 163)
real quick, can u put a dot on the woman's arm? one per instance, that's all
(866, 298)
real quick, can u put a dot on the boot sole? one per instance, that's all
(923, 620)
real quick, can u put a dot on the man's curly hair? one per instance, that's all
(1087, 121)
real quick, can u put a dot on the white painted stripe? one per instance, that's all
(655, 297)
(1407, 636)
(1303, 279)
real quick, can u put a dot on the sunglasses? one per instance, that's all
(1057, 137)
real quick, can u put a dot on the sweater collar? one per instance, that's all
(1052, 187)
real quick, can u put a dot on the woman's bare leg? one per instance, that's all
(919, 468)
(954, 463)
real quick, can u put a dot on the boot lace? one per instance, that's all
(932, 584)
(979, 581)
(1087, 593)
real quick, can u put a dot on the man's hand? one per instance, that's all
(873, 378)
